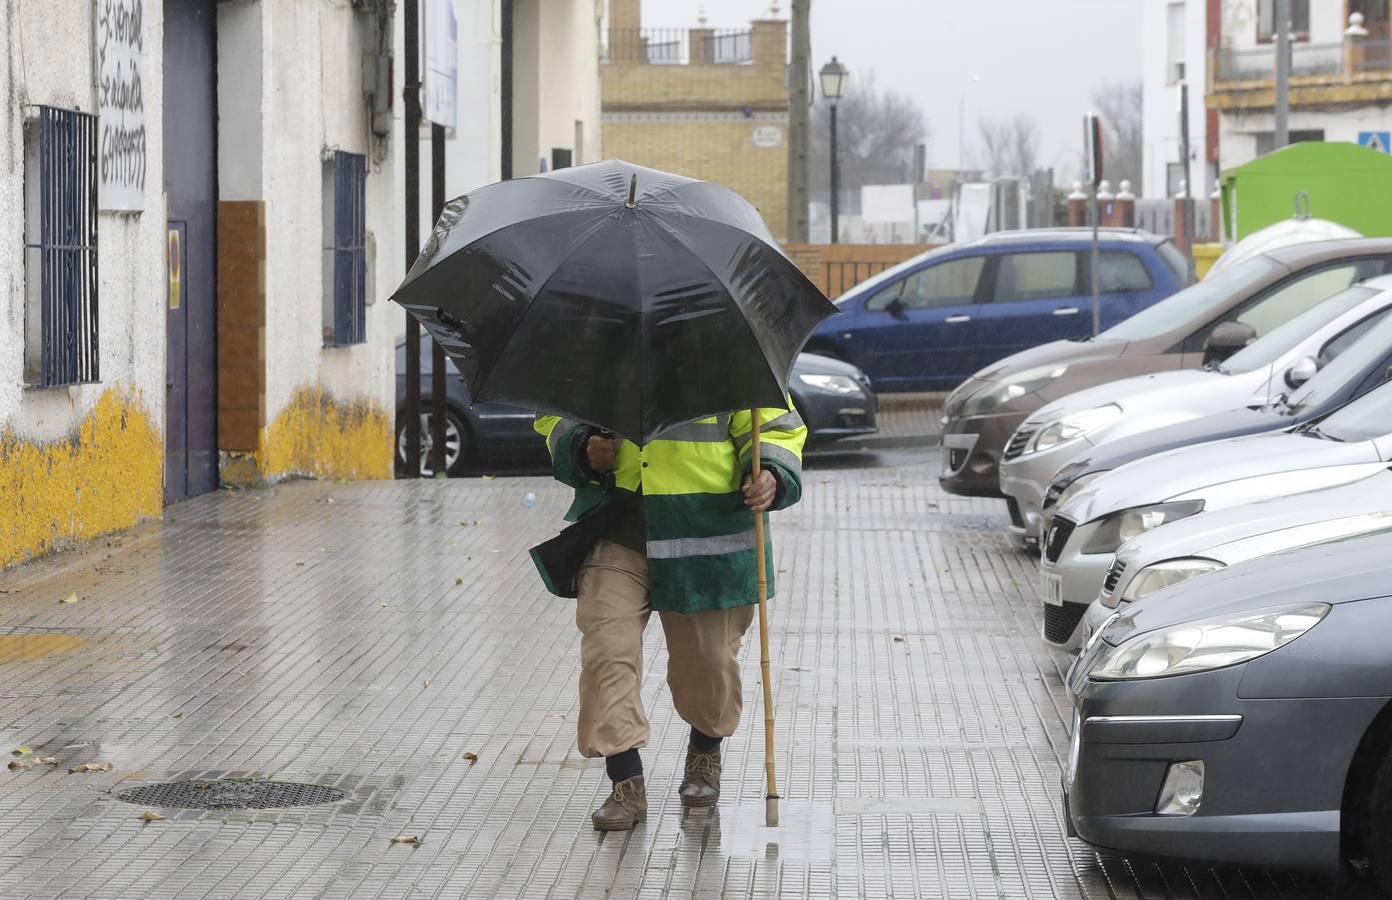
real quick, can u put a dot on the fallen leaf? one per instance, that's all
(90, 767)
(458, 582)
(470, 756)
(16, 765)
(412, 839)
(425, 684)
(384, 606)
(71, 598)
(323, 549)
(46, 760)
(329, 501)
(22, 750)
(242, 674)
(898, 639)
(555, 715)
(488, 477)
(299, 563)
(148, 816)
(478, 521)
(177, 715)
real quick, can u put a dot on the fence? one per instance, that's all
(679, 46)
(836, 268)
(1259, 63)
(1162, 217)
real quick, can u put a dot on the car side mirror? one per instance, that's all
(1304, 369)
(896, 308)
(1226, 339)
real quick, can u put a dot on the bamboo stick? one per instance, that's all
(771, 799)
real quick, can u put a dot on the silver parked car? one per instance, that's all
(1244, 717)
(1201, 544)
(1352, 442)
(1281, 361)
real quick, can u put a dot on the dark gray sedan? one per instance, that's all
(833, 397)
(1244, 717)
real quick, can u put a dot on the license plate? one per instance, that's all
(1051, 588)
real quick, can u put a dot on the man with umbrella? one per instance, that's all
(661, 310)
(673, 534)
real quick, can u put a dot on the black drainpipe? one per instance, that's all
(506, 89)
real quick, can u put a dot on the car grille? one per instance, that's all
(1058, 536)
(1061, 621)
(1018, 440)
(1114, 575)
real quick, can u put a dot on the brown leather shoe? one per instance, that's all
(627, 806)
(700, 785)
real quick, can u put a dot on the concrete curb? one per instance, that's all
(881, 442)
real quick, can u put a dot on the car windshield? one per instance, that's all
(1368, 350)
(1368, 417)
(1281, 340)
(870, 286)
(1192, 302)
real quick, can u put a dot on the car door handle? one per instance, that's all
(957, 320)
(1066, 311)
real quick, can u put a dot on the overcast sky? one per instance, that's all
(1041, 57)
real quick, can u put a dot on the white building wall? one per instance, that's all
(312, 98)
(555, 80)
(1160, 98)
(130, 246)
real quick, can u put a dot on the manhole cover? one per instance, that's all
(231, 794)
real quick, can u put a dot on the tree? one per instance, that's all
(876, 131)
(1009, 147)
(1119, 105)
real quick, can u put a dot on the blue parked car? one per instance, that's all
(930, 322)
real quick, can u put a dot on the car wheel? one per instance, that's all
(458, 445)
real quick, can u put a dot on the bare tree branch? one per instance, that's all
(876, 133)
(1009, 147)
(1119, 105)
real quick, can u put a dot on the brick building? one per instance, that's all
(705, 102)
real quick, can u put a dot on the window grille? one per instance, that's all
(60, 248)
(345, 252)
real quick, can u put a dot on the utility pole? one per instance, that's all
(799, 104)
(411, 152)
(835, 182)
(1283, 65)
(439, 417)
(1188, 200)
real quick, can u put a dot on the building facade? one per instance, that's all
(203, 216)
(1177, 49)
(703, 102)
(1341, 75)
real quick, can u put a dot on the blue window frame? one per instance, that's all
(345, 251)
(60, 248)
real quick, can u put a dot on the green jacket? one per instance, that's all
(700, 535)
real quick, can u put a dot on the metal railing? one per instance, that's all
(61, 248)
(1372, 55)
(1259, 63)
(679, 46)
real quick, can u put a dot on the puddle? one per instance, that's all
(19, 647)
(806, 831)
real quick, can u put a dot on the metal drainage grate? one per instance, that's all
(231, 794)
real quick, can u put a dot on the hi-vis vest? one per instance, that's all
(700, 535)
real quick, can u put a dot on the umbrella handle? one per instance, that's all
(761, 567)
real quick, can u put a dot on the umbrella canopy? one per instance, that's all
(620, 296)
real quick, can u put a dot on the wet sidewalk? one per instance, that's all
(391, 641)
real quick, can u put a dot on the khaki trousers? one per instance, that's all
(702, 656)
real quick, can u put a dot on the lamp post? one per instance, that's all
(833, 77)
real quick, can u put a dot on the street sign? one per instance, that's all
(122, 66)
(441, 101)
(1092, 147)
(1381, 141)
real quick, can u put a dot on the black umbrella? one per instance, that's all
(624, 297)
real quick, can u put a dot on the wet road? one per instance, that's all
(390, 640)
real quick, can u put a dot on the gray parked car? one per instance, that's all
(1243, 717)
(1352, 442)
(1280, 361)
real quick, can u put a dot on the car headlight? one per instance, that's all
(1073, 425)
(1058, 495)
(836, 384)
(1203, 645)
(1120, 527)
(996, 395)
(1163, 574)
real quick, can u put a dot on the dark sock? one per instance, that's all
(703, 743)
(623, 766)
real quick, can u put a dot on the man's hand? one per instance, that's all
(760, 491)
(599, 453)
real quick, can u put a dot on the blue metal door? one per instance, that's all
(190, 184)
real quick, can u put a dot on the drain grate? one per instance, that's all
(231, 794)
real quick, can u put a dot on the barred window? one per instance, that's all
(345, 249)
(60, 248)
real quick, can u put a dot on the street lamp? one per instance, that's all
(833, 76)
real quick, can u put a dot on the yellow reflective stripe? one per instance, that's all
(713, 429)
